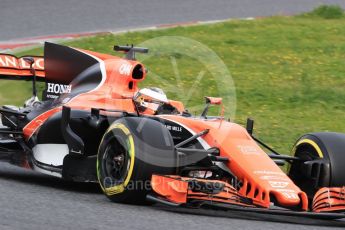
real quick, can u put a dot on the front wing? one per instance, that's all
(187, 192)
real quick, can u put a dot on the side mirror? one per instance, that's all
(213, 100)
(210, 101)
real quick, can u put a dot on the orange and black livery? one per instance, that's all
(94, 124)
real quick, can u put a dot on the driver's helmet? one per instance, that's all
(148, 100)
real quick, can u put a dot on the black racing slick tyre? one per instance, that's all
(322, 164)
(132, 149)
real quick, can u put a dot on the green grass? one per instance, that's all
(327, 12)
(289, 72)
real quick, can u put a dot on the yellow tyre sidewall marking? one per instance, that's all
(121, 187)
(306, 141)
(312, 143)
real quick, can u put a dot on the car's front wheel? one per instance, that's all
(322, 162)
(132, 149)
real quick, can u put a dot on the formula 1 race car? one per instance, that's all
(94, 124)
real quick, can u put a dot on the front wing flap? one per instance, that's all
(184, 192)
(329, 200)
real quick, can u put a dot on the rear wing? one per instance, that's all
(15, 68)
(58, 68)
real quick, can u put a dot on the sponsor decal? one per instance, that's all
(9, 61)
(64, 101)
(289, 194)
(248, 150)
(278, 184)
(52, 96)
(174, 128)
(279, 178)
(125, 69)
(54, 90)
(264, 172)
(58, 88)
(38, 64)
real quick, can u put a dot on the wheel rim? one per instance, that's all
(296, 172)
(116, 162)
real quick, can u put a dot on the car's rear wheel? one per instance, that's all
(133, 149)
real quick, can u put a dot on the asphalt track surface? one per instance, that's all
(29, 200)
(28, 18)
